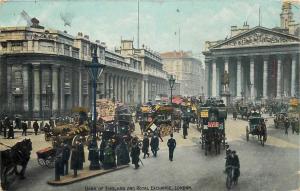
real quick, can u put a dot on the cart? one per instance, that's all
(46, 157)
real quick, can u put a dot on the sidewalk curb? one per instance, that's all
(90, 174)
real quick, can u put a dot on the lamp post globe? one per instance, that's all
(95, 70)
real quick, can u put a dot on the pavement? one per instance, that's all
(83, 175)
(276, 166)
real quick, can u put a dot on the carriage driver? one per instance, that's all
(233, 160)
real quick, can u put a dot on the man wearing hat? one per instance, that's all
(154, 144)
(172, 145)
(145, 148)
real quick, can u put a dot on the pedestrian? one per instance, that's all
(58, 162)
(75, 158)
(122, 153)
(145, 148)
(154, 145)
(18, 122)
(6, 125)
(1, 127)
(81, 153)
(286, 125)
(172, 145)
(185, 126)
(101, 149)
(36, 127)
(11, 132)
(24, 128)
(65, 158)
(109, 160)
(135, 154)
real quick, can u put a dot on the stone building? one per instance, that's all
(261, 62)
(43, 73)
(188, 71)
(155, 79)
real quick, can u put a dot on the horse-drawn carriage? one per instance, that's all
(213, 132)
(243, 111)
(212, 121)
(257, 127)
(280, 120)
(12, 158)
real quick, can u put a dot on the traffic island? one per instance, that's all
(82, 175)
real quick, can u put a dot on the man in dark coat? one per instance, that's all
(6, 124)
(109, 160)
(286, 125)
(185, 126)
(122, 153)
(154, 145)
(81, 154)
(35, 127)
(58, 162)
(11, 133)
(18, 122)
(233, 160)
(145, 148)
(172, 145)
(65, 158)
(24, 128)
(1, 127)
(75, 158)
(135, 155)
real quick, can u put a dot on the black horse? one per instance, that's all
(18, 155)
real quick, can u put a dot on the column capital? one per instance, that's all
(36, 66)
(279, 56)
(265, 57)
(55, 66)
(293, 56)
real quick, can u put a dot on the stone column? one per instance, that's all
(226, 68)
(239, 77)
(252, 78)
(80, 86)
(146, 90)
(207, 79)
(293, 75)
(214, 79)
(25, 70)
(9, 87)
(143, 91)
(55, 87)
(62, 89)
(278, 89)
(36, 88)
(265, 77)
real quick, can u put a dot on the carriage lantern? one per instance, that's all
(95, 69)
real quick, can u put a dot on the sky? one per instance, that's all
(160, 20)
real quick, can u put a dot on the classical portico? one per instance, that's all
(262, 63)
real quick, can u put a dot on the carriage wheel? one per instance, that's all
(247, 133)
(50, 162)
(41, 162)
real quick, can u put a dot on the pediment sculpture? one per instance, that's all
(257, 38)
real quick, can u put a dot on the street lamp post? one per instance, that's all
(95, 69)
(171, 83)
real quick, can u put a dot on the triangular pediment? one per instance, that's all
(258, 36)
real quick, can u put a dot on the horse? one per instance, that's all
(261, 133)
(17, 155)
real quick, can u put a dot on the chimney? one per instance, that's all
(86, 36)
(79, 34)
(98, 41)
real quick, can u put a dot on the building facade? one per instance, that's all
(43, 73)
(261, 62)
(155, 79)
(188, 71)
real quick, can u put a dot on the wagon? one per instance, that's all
(256, 127)
(46, 157)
